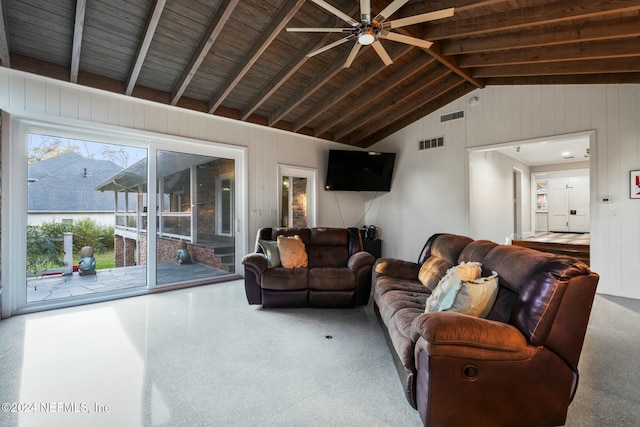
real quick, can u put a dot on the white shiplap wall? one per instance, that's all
(46, 99)
(431, 190)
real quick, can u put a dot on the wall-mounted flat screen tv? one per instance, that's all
(359, 171)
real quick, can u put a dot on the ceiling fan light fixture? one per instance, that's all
(366, 36)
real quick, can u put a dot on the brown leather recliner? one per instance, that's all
(517, 367)
(338, 272)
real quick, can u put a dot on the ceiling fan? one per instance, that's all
(369, 31)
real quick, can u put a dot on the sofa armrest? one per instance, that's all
(397, 268)
(255, 262)
(456, 334)
(359, 260)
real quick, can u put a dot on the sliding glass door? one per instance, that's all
(195, 239)
(84, 211)
(102, 215)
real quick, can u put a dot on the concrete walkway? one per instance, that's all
(54, 287)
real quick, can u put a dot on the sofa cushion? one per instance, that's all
(270, 249)
(331, 279)
(328, 247)
(432, 271)
(386, 284)
(397, 310)
(472, 297)
(328, 256)
(284, 279)
(462, 271)
(292, 252)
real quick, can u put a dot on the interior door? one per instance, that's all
(558, 202)
(569, 205)
(579, 204)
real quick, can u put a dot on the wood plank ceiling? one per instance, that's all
(235, 59)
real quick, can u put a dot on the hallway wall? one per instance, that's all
(430, 192)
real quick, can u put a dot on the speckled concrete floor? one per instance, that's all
(203, 357)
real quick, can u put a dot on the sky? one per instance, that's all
(121, 155)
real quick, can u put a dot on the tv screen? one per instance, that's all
(359, 171)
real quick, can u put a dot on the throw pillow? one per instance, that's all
(270, 249)
(472, 297)
(463, 271)
(292, 252)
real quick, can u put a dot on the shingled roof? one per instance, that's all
(66, 183)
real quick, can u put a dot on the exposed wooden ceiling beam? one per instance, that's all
(296, 62)
(204, 46)
(548, 13)
(401, 76)
(408, 105)
(276, 25)
(391, 102)
(448, 61)
(547, 35)
(81, 7)
(575, 51)
(308, 90)
(427, 108)
(352, 86)
(597, 66)
(418, 7)
(5, 57)
(451, 62)
(143, 46)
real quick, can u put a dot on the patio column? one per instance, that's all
(129, 252)
(68, 253)
(118, 246)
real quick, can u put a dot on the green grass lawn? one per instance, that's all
(103, 260)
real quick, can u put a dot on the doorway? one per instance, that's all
(494, 182)
(297, 196)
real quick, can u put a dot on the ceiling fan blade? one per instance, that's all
(337, 12)
(418, 19)
(329, 46)
(425, 44)
(352, 55)
(365, 11)
(319, 30)
(382, 53)
(390, 10)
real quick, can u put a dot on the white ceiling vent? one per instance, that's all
(452, 116)
(431, 143)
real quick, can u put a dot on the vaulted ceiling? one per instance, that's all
(234, 58)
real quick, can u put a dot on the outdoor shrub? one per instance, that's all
(44, 250)
(108, 233)
(87, 232)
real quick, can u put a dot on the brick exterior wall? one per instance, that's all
(142, 248)
(124, 251)
(168, 251)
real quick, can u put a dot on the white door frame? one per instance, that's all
(311, 175)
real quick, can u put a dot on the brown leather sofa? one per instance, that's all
(338, 272)
(518, 366)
